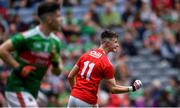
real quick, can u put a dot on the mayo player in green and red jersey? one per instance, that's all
(35, 51)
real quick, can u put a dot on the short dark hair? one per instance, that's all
(47, 7)
(108, 34)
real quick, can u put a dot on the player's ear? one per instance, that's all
(108, 42)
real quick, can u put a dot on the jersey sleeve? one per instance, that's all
(108, 72)
(18, 41)
(78, 63)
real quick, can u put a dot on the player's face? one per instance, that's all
(55, 21)
(114, 45)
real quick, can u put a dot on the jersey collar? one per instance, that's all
(42, 34)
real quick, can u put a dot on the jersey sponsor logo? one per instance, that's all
(37, 58)
(37, 45)
(95, 54)
(41, 45)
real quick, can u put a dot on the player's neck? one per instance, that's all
(104, 49)
(44, 29)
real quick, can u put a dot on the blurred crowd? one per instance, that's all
(154, 24)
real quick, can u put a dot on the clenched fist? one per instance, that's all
(136, 85)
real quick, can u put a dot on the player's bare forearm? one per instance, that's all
(72, 75)
(5, 54)
(119, 89)
(71, 81)
(8, 59)
(114, 88)
(57, 70)
(123, 89)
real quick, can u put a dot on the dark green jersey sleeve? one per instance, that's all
(18, 41)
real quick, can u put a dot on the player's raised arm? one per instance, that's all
(114, 88)
(5, 54)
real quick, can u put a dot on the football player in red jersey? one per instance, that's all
(91, 68)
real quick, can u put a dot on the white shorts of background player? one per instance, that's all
(20, 99)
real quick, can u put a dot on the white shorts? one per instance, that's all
(75, 102)
(20, 99)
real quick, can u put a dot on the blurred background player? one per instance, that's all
(91, 68)
(35, 50)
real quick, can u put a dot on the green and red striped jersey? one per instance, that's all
(32, 48)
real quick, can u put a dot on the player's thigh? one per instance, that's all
(20, 99)
(75, 102)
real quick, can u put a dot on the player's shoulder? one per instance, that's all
(105, 61)
(85, 55)
(30, 33)
(53, 36)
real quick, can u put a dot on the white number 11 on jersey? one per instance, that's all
(91, 66)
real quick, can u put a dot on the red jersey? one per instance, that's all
(93, 67)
